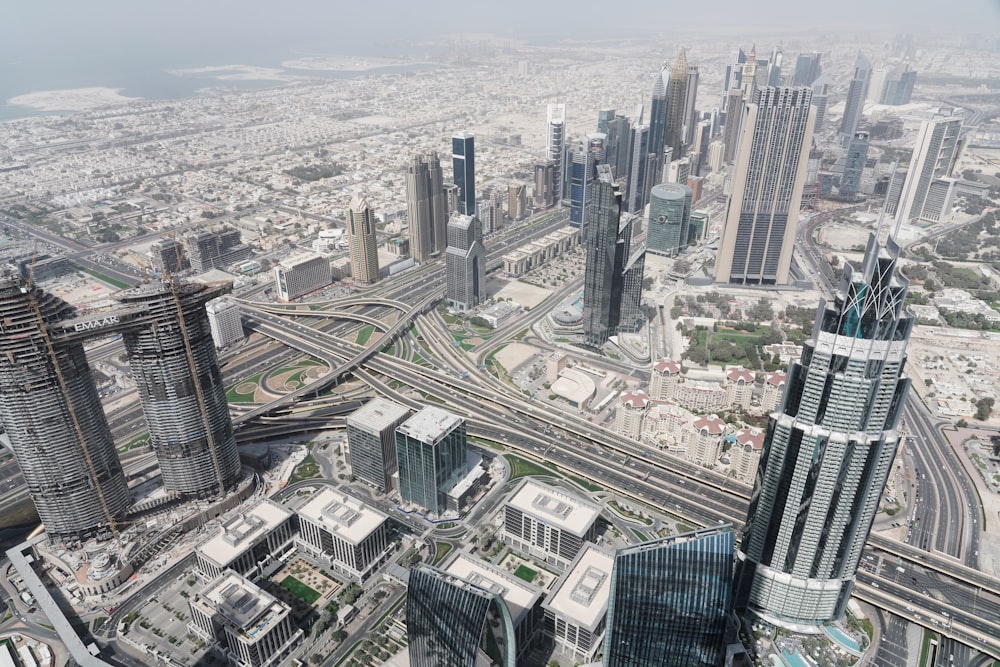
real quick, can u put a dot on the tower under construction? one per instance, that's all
(53, 416)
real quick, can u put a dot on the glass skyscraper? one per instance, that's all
(463, 162)
(828, 452)
(430, 454)
(854, 105)
(669, 218)
(670, 601)
(446, 617)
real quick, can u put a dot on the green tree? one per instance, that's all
(983, 408)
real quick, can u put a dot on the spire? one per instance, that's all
(680, 65)
(660, 82)
(359, 203)
(752, 57)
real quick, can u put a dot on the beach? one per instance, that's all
(71, 99)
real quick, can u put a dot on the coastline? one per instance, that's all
(71, 99)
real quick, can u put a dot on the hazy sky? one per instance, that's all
(63, 27)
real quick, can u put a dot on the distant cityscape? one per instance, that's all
(688, 358)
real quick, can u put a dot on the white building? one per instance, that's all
(630, 412)
(248, 542)
(576, 608)
(664, 379)
(701, 396)
(745, 454)
(548, 523)
(739, 387)
(704, 438)
(300, 274)
(224, 320)
(774, 389)
(344, 532)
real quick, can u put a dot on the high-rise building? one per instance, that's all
(748, 80)
(619, 137)
(732, 78)
(768, 176)
(176, 373)
(517, 201)
(343, 533)
(734, 116)
(669, 216)
(463, 163)
(545, 185)
(371, 438)
(774, 67)
(362, 242)
(431, 457)
(640, 176)
(699, 147)
(53, 416)
(224, 321)
(426, 207)
(857, 157)
(555, 144)
(690, 102)
(216, 250)
(821, 97)
(899, 86)
(301, 273)
(168, 256)
(854, 105)
(828, 453)
(934, 155)
(807, 69)
(670, 601)
(659, 113)
(604, 117)
(446, 616)
(580, 173)
(678, 171)
(465, 263)
(631, 317)
(676, 119)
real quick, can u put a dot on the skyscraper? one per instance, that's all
(899, 86)
(677, 96)
(732, 78)
(807, 69)
(670, 601)
(604, 116)
(669, 216)
(51, 411)
(734, 116)
(362, 242)
(616, 150)
(555, 144)
(690, 101)
(828, 452)
(371, 434)
(659, 112)
(821, 96)
(854, 105)
(934, 155)
(463, 163)
(224, 321)
(580, 173)
(640, 176)
(857, 156)
(426, 207)
(545, 184)
(465, 262)
(763, 209)
(431, 457)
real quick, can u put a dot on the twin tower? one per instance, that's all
(52, 413)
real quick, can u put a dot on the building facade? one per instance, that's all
(938, 146)
(669, 218)
(545, 195)
(224, 321)
(463, 164)
(362, 242)
(854, 105)
(549, 524)
(677, 95)
(576, 608)
(555, 144)
(344, 533)
(630, 412)
(465, 263)
(216, 250)
(426, 207)
(248, 542)
(371, 438)
(300, 274)
(431, 452)
(857, 158)
(828, 454)
(664, 379)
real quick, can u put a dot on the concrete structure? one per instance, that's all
(576, 607)
(545, 195)
(531, 256)
(629, 413)
(252, 627)
(774, 389)
(224, 321)
(701, 396)
(669, 218)
(517, 201)
(664, 379)
(248, 542)
(745, 454)
(362, 242)
(739, 387)
(168, 256)
(300, 274)
(431, 453)
(465, 263)
(829, 452)
(348, 535)
(703, 439)
(463, 163)
(500, 312)
(548, 523)
(426, 207)
(763, 209)
(371, 438)
(575, 386)
(216, 250)
(937, 147)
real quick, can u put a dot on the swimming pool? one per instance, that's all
(795, 659)
(843, 639)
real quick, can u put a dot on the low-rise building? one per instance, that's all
(548, 523)
(350, 536)
(249, 542)
(500, 312)
(576, 608)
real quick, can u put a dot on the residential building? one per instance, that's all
(670, 601)
(517, 201)
(576, 606)
(629, 413)
(763, 209)
(703, 439)
(371, 438)
(431, 454)
(465, 263)
(546, 195)
(739, 387)
(463, 163)
(301, 273)
(249, 542)
(426, 207)
(664, 379)
(669, 217)
(555, 144)
(828, 454)
(224, 321)
(216, 250)
(168, 256)
(362, 242)
(934, 154)
(548, 523)
(744, 455)
(774, 389)
(701, 396)
(854, 105)
(347, 535)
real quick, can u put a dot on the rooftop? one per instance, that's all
(519, 595)
(750, 436)
(777, 378)
(667, 366)
(243, 604)
(377, 414)
(342, 515)
(581, 593)
(555, 507)
(710, 423)
(241, 531)
(636, 400)
(430, 425)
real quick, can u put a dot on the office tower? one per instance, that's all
(247, 541)
(671, 600)
(934, 155)
(697, 227)
(362, 242)
(548, 523)
(463, 163)
(676, 118)
(748, 80)
(176, 373)
(690, 100)
(699, 148)
(224, 321)
(545, 185)
(854, 105)
(555, 144)
(431, 456)
(734, 116)
(807, 69)
(619, 138)
(168, 256)
(678, 171)
(517, 201)
(829, 451)
(465, 263)
(876, 85)
(604, 117)
(343, 533)
(216, 250)
(899, 87)
(301, 273)
(631, 317)
(245, 622)
(733, 78)
(774, 67)
(52, 414)
(426, 207)
(659, 114)
(894, 192)
(580, 173)
(716, 155)
(821, 96)
(491, 211)
(371, 437)
(639, 174)
(768, 176)
(577, 604)
(669, 216)
(446, 617)
(857, 156)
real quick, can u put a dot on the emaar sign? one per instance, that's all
(96, 324)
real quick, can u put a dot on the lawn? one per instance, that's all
(299, 590)
(523, 468)
(305, 470)
(526, 573)
(364, 335)
(103, 278)
(442, 550)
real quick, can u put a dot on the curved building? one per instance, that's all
(189, 424)
(829, 451)
(53, 416)
(669, 218)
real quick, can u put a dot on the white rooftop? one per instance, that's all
(557, 508)
(241, 531)
(430, 425)
(581, 594)
(377, 414)
(344, 516)
(519, 595)
(243, 603)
